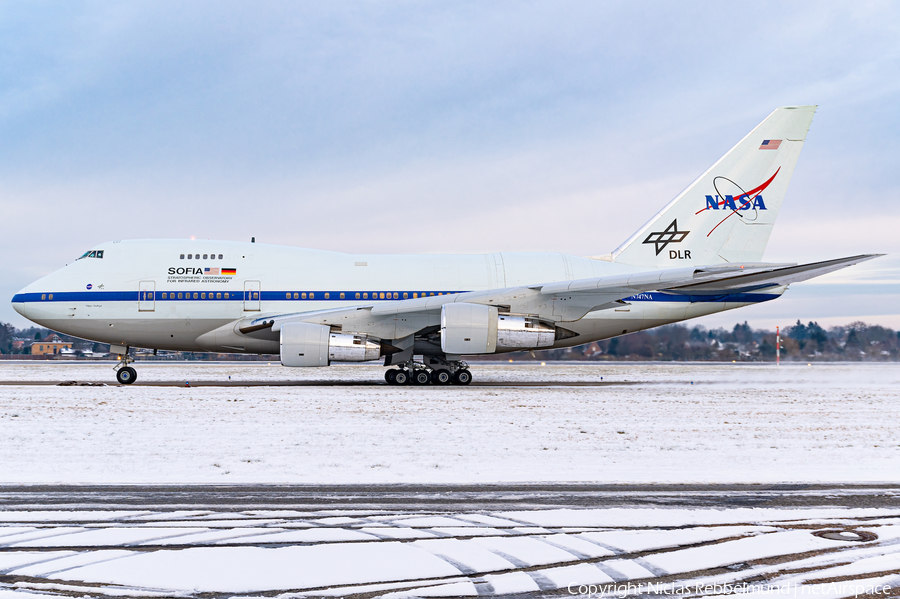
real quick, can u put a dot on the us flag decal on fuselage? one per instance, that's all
(770, 144)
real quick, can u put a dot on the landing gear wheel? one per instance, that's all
(389, 376)
(441, 377)
(126, 375)
(401, 378)
(462, 377)
(421, 377)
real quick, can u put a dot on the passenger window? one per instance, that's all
(212, 256)
(256, 295)
(312, 296)
(51, 297)
(220, 256)
(432, 293)
(357, 295)
(179, 296)
(342, 295)
(164, 295)
(226, 296)
(415, 294)
(405, 295)
(202, 296)
(303, 295)
(381, 295)
(43, 296)
(182, 257)
(218, 296)
(205, 256)
(365, 296)
(288, 295)
(190, 256)
(195, 295)
(327, 295)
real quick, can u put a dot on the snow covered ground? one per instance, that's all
(679, 423)
(587, 552)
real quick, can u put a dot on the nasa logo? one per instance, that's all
(714, 203)
(89, 285)
(181, 270)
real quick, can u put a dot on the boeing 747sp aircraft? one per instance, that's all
(700, 254)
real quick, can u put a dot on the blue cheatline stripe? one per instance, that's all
(221, 296)
(656, 296)
(335, 296)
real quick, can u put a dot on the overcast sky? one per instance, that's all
(443, 127)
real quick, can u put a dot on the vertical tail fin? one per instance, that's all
(727, 214)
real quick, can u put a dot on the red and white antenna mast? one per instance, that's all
(777, 346)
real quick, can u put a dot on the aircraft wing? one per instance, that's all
(564, 301)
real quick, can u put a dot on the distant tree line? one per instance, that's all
(854, 342)
(810, 342)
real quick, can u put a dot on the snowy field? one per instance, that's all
(831, 552)
(678, 423)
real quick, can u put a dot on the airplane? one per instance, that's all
(700, 254)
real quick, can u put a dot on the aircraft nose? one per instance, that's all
(18, 303)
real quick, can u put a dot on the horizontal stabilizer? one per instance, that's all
(776, 277)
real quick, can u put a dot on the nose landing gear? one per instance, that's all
(125, 374)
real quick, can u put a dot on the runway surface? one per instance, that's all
(325, 383)
(443, 497)
(448, 540)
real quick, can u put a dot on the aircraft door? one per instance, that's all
(251, 296)
(147, 296)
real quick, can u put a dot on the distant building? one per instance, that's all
(49, 345)
(18, 343)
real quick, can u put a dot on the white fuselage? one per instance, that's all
(148, 293)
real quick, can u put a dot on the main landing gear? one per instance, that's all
(125, 374)
(413, 373)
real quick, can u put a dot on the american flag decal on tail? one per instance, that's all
(770, 144)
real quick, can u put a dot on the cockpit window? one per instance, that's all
(92, 254)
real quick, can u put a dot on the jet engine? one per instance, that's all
(307, 344)
(479, 329)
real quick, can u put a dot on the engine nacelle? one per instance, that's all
(524, 332)
(310, 345)
(478, 329)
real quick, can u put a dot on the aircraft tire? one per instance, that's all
(126, 375)
(389, 375)
(421, 377)
(441, 377)
(462, 377)
(401, 378)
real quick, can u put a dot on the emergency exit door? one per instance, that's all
(251, 296)
(147, 296)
